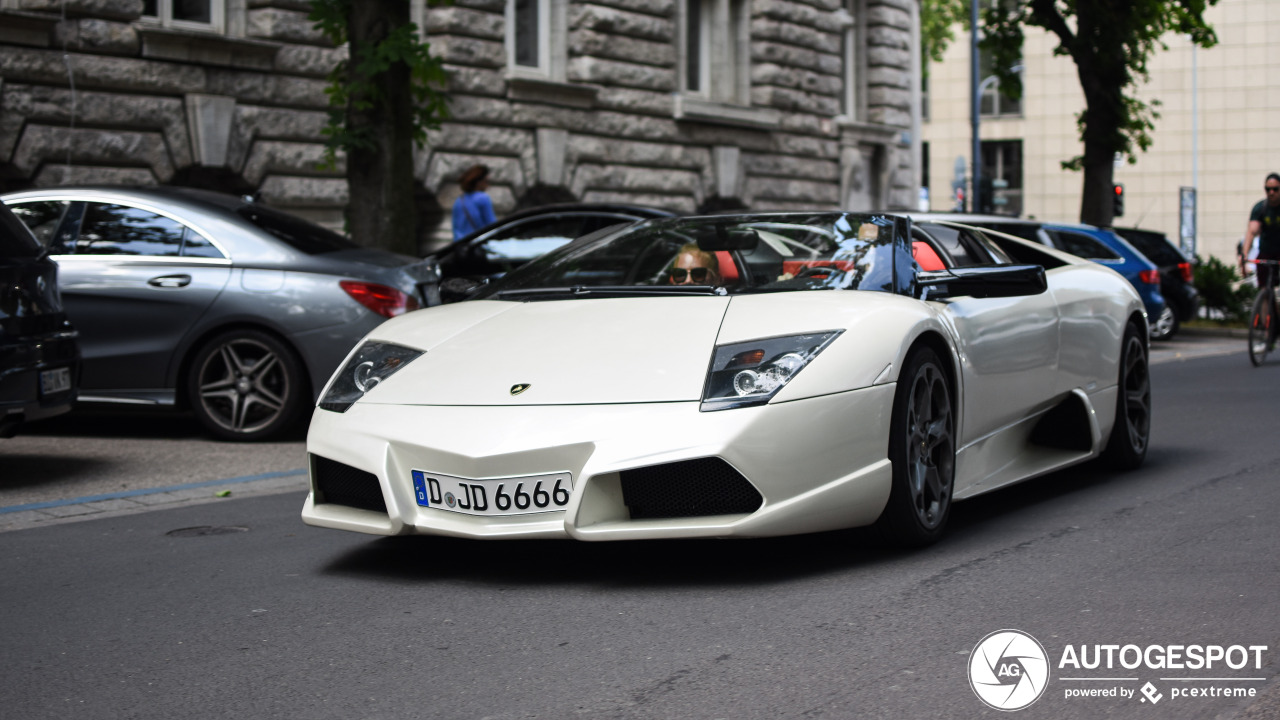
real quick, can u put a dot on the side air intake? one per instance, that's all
(339, 484)
(690, 488)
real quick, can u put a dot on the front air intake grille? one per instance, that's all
(338, 484)
(691, 488)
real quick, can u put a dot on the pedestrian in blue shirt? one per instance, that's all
(473, 209)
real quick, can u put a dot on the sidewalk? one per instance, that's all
(1241, 333)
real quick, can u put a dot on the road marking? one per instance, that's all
(149, 491)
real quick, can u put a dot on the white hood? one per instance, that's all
(618, 350)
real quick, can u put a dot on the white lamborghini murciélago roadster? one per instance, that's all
(735, 376)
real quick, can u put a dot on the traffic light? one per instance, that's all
(1117, 200)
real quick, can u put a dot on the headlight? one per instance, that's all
(372, 363)
(751, 373)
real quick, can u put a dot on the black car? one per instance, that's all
(39, 356)
(491, 252)
(1177, 279)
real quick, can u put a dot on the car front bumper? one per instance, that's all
(818, 463)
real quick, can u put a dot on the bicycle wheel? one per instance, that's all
(1260, 329)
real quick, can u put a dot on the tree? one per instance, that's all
(938, 21)
(383, 99)
(1110, 42)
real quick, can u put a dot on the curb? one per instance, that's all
(1240, 333)
(23, 517)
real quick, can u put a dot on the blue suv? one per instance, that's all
(1106, 247)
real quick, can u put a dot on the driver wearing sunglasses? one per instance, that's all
(694, 266)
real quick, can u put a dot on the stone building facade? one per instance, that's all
(684, 104)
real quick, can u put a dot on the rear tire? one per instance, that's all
(923, 452)
(1131, 431)
(246, 385)
(1261, 330)
(1166, 325)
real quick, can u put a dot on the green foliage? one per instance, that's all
(359, 90)
(1111, 44)
(938, 20)
(1218, 284)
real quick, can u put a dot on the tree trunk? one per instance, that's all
(380, 162)
(1103, 73)
(1096, 204)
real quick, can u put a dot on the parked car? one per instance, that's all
(1116, 253)
(811, 377)
(491, 252)
(212, 302)
(1177, 279)
(1097, 244)
(39, 357)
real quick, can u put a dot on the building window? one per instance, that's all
(529, 17)
(924, 96)
(537, 39)
(854, 57)
(995, 103)
(1002, 165)
(717, 54)
(193, 14)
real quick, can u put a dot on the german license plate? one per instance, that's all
(55, 381)
(501, 496)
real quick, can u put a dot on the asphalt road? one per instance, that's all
(139, 616)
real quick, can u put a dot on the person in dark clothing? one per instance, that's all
(1264, 224)
(473, 209)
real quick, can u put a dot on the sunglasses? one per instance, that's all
(1271, 188)
(699, 274)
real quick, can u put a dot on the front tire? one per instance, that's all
(923, 451)
(1131, 431)
(1261, 332)
(245, 385)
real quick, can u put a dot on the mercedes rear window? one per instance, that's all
(299, 234)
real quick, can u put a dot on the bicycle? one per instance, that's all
(1262, 320)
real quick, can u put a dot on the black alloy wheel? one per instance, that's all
(1166, 326)
(245, 385)
(1131, 432)
(923, 451)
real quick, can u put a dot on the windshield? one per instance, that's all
(720, 255)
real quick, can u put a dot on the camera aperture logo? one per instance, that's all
(1008, 670)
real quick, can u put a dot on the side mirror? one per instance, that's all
(456, 289)
(981, 282)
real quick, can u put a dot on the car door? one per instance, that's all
(1009, 346)
(134, 280)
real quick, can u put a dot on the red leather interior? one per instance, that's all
(793, 267)
(926, 257)
(728, 269)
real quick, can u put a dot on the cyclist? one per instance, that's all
(1264, 223)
